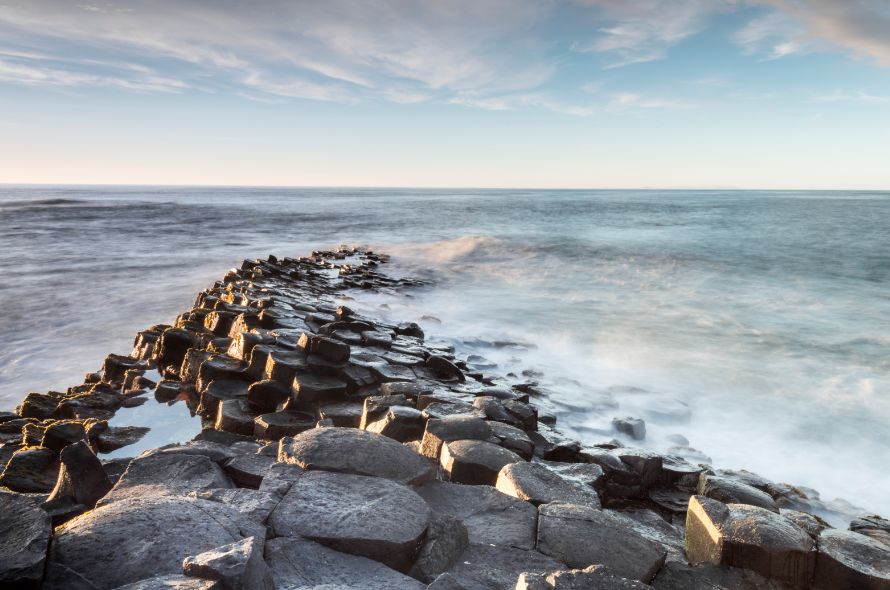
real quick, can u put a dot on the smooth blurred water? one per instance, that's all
(766, 313)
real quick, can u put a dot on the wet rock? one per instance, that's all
(171, 347)
(317, 389)
(539, 484)
(476, 462)
(734, 492)
(234, 415)
(327, 348)
(298, 563)
(632, 427)
(356, 377)
(494, 567)
(219, 367)
(344, 414)
(851, 560)
(117, 437)
(220, 391)
(377, 338)
(94, 404)
(81, 476)
(255, 505)
(62, 433)
(268, 395)
(512, 438)
(368, 516)
(400, 423)
(38, 405)
(355, 451)
(243, 343)
(446, 538)
(238, 565)
(439, 431)
(444, 369)
(215, 451)
(872, 526)
(581, 536)
(489, 516)
(409, 329)
(594, 577)
(99, 547)
(172, 582)
(248, 470)
(681, 576)
(277, 425)
(167, 474)
(813, 525)
(24, 537)
(117, 365)
(748, 537)
(31, 470)
(376, 406)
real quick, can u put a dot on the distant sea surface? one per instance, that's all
(754, 325)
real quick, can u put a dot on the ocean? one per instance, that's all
(747, 328)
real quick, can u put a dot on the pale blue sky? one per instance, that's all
(518, 93)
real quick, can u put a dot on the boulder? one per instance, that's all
(38, 405)
(439, 431)
(317, 389)
(32, 469)
(172, 582)
(851, 560)
(475, 462)
(81, 476)
(446, 538)
(167, 474)
(280, 477)
(348, 450)
(497, 567)
(731, 491)
(138, 538)
(581, 536)
(238, 565)
(538, 484)
(118, 437)
(632, 427)
(248, 470)
(872, 526)
(748, 537)
(489, 516)
(301, 564)
(277, 425)
(512, 438)
(594, 577)
(368, 516)
(216, 452)
(400, 423)
(59, 434)
(444, 369)
(24, 538)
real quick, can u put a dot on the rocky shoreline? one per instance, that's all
(341, 451)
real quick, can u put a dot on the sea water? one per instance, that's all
(748, 329)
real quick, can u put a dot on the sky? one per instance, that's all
(775, 94)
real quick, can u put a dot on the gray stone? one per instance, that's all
(298, 564)
(235, 415)
(512, 438)
(730, 491)
(317, 389)
(581, 536)
(328, 348)
(872, 526)
(475, 462)
(368, 516)
(446, 538)
(439, 431)
(813, 525)
(31, 470)
(138, 538)
(349, 450)
(632, 427)
(24, 537)
(268, 395)
(446, 582)
(172, 582)
(539, 484)
(280, 477)
(489, 516)
(376, 405)
(705, 576)
(62, 433)
(594, 577)
(748, 537)
(167, 474)
(851, 560)
(444, 369)
(216, 452)
(248, 470)
(345, 414)
(81, 477)
(492, 567)
(117, 437)
(238, 565)
(400, 423)
(255, 505)
(277, 425)
(219, 391)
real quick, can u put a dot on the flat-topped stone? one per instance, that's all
(237, 565)
(277, 425)
(368, 516)
(594, 577)
(442, 430)
(349, 450)
(731, 491)
(540, 484)
(300, 564)
(494, 567)
(475, 461)
(167, 474)
(851, 560)
(309, 388)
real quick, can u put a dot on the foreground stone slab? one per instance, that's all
(139, 538)
(368, 516)
(851, 560)
(167, 474)
(489, 516)
(442, 430)
(581, 536)
(24, 537)
(299, 564)
(255, 505)
(872, 526)
(476, 462)
(488, 567)
(173, 582)
(348, 450)
(731, 491)
(31, 470)
(446, 538)
(748, 537)
(238, 565)
(539, 484)
(595, 577)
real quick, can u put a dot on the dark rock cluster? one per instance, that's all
(341, 451)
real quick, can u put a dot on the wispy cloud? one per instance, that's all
(629, 100)
(857, 97)
(773, 35)
(31, 75)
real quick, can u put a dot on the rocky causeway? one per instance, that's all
(341, 451)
